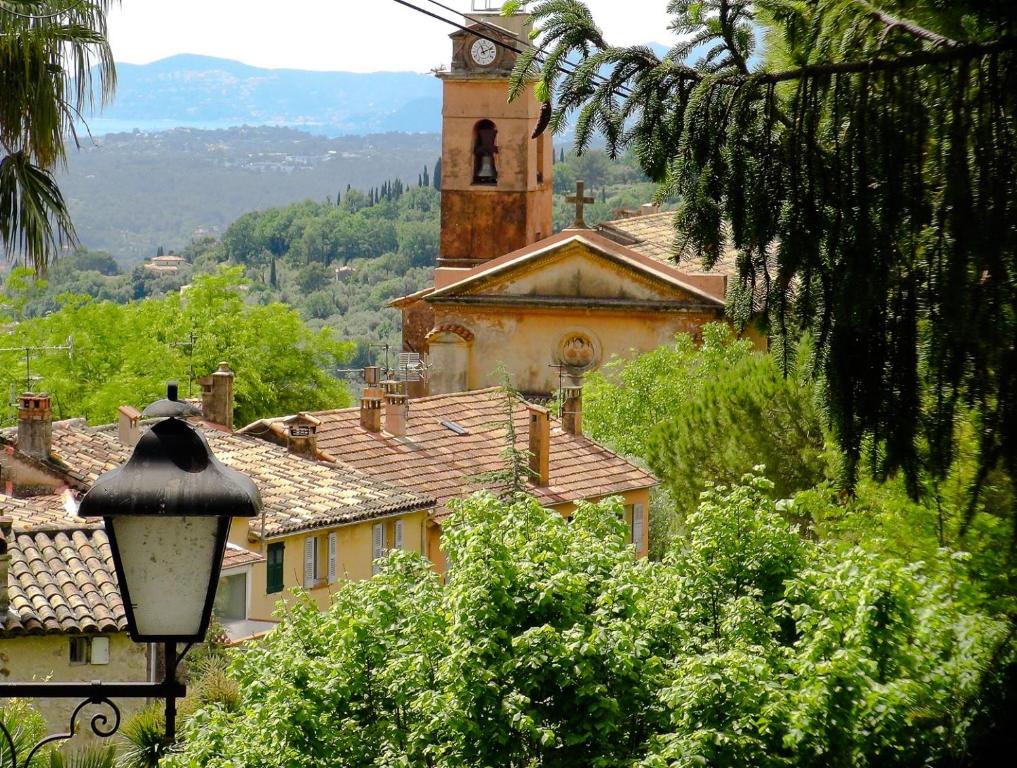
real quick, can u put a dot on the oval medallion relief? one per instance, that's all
(578, 352)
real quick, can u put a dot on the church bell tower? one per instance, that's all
(496, 181)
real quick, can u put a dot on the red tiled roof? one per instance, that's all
(297, 493)
(44, 513)
(436, 461)
(62, 582)
(236, 556)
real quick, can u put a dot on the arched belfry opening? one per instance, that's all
(485, 148)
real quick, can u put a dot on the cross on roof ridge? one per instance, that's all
(580, 199)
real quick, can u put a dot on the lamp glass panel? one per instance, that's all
(167, 564)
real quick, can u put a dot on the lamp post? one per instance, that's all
(167, 514)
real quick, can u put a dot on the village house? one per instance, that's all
(321, 520)
(505, 289)
(167, 263)
(443, 445)
(61, 616)
(340, 489)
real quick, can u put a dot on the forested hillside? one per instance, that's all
(338, 261)
(129, 193)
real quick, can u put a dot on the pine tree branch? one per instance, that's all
(959, 52)
(892, 22)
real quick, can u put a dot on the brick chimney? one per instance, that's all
(370, 410)
(6, 537)
(302, 434)
(540, 444)
(396, 407)
(127, 425)
(35, 425)
(217, 396)
(572, 409)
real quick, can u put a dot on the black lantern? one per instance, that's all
(167, 513)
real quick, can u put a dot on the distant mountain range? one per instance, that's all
(210, 93)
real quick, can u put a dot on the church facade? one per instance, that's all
(508, 294)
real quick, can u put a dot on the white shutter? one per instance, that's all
(332, 547)
(100, 650)
(309, 574)
(398, 534)
(379, 546)
(638, 529)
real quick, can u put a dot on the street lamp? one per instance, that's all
(167, 514)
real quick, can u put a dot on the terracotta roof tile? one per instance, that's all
(435, 461)
(44, 513)
(238, 556)
(654, 235)
(62, 582)
(297, 493)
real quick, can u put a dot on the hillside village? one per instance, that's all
(599, 507)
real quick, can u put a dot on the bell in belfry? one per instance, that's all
(486, 172)
(484, 149)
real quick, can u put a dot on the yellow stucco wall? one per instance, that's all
(569, 290)
(526, 340)
(355, 547)
(38, 659)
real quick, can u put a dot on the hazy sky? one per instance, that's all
(350, 35)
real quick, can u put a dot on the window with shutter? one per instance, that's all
(333, 546)
(398, 536)
(274, 568)
(310, 562)
(638, 528)
(378, 547)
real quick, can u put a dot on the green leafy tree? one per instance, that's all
(51, 55)
(863, 171)
(126, 353)
(551, 645)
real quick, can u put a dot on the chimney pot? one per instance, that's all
(127, 425)
(217, 396)
(370, 410)
(572, 409)
(172, 391)
(35, 425)
(371, 376)
(540, 444)
(396, 406)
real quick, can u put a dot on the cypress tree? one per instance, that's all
(436, 176)
(272, 279)
(427, 180)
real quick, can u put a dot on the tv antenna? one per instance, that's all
(30, 350)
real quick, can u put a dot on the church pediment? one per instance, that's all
(571, 269)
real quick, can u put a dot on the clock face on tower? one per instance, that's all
(483, 52)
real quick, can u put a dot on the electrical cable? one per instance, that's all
(490, 39)
(600, 79)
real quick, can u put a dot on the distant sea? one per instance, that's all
(100, 126)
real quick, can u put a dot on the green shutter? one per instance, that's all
(274, 568)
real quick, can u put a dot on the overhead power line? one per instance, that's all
(566, 68)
